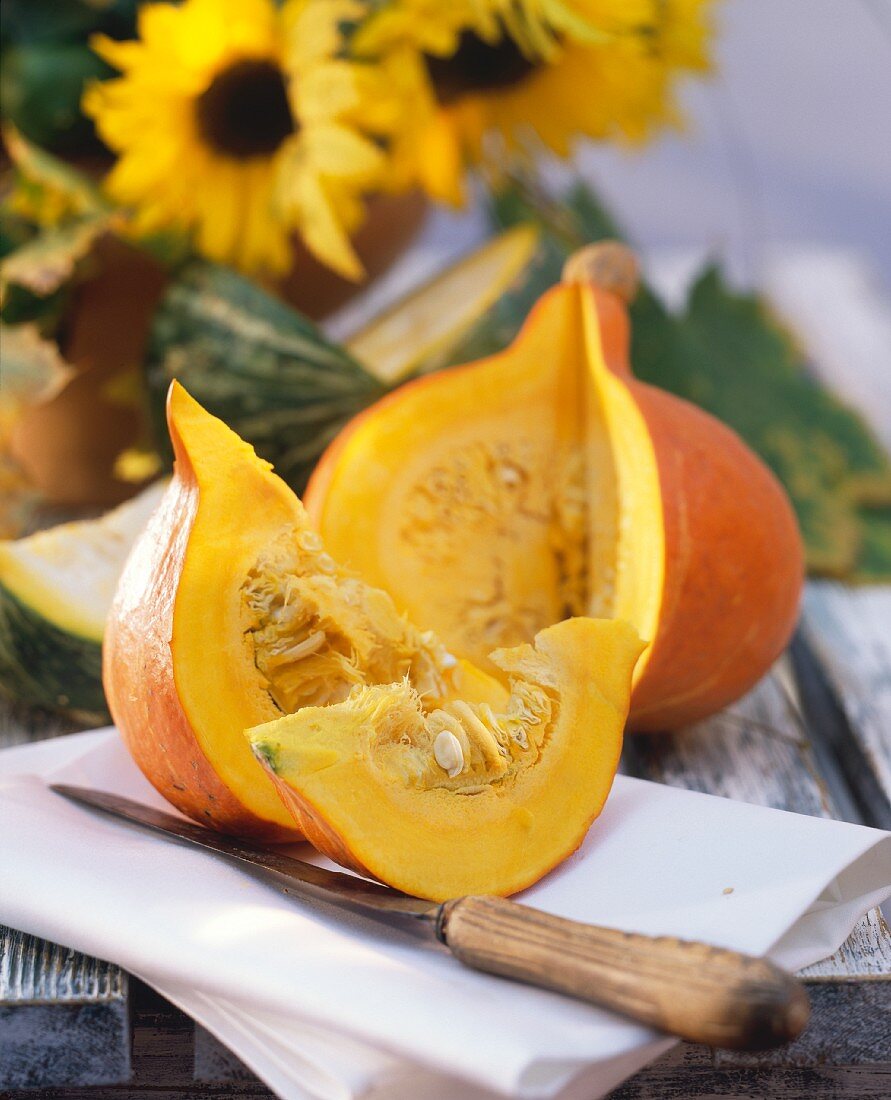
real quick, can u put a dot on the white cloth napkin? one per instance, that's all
(325, 1005)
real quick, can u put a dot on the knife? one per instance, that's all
(698, 992)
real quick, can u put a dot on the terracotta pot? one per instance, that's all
(392, 222)
(67, 447)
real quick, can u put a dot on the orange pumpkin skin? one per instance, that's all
(319, 833)
(734, 559)
(138, 669)
(709, 650)
(731, 559)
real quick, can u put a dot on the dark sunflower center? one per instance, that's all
(245, 112)
(478, 66)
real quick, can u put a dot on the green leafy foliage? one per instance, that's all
(874, 553)
(45, 61)
(45, 182)
(33, 22)
(40, 262)
(50, 259)
(41, 88)
(14, 231)
(725, 352)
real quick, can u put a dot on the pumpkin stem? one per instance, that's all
(609, 265)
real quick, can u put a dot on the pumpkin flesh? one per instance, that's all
(490, 484)
(230, 613)
(549, 482)
(466, 798)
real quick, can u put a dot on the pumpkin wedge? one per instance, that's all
(56, 587)
(230, 613)
(466, 798)
(547, 481)
(459, 306)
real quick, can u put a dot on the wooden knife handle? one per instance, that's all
(700, 993)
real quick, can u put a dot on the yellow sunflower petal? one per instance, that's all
(326, 90)
(323, 230)
(334, 150)
(242, 201)
(313, 28)
(120, 55)
(605, 69)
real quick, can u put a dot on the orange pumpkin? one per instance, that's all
(495, 499)
(392, 754)
(228, 614)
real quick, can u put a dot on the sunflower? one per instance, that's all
(241, 122)
(536, 70)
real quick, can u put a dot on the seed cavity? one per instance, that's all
(312, 643)
(318, 631)
(465, 748)
(310, 540)
(518, 502)
(448, 753)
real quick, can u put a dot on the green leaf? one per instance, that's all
(49, 260)
(14, 231)
(875, 550)
(52, 180)
(257, 364)
(40, 92)
(728, 354)
(32, 22)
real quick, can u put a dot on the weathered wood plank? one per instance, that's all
(865, 955)
(33, 971)
(215, 1062)
(850, 1025)
(43, 1046)
(64, 1017)
(687, 1072)
(162, 1062)
(849, 630)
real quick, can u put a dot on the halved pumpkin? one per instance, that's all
(230, 613)
(547, 481)
(464, 798)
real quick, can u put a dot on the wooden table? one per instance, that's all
(814, 738)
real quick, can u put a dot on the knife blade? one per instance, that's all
(304, 879)
(698, 992)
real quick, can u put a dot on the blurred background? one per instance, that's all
(789, 141)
